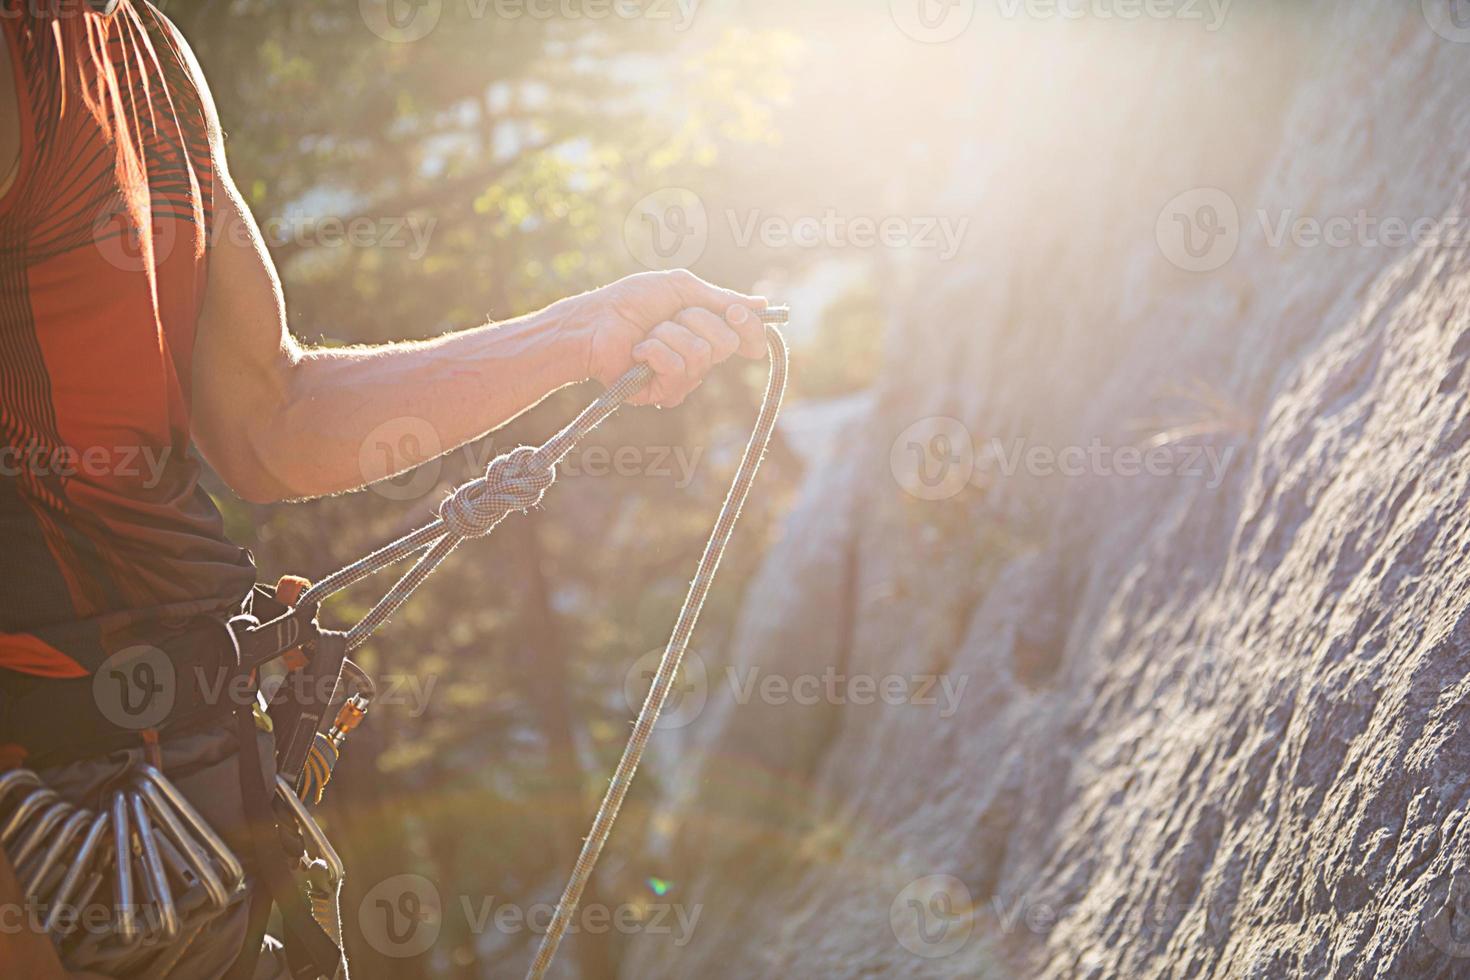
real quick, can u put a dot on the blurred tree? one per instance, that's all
(410, 187)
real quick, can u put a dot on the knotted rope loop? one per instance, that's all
(516, 481)
(513, 481)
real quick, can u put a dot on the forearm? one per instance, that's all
(348, 417)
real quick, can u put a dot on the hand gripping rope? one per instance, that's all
(516, 481)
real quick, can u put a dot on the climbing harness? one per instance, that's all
(146, 839)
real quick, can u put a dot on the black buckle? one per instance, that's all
(260, 643)
(303, 706)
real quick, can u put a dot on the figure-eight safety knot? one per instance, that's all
(514, 481)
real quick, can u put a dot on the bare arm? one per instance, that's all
(278, 421)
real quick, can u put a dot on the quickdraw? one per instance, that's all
(164, 871)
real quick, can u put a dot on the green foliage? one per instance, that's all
(521, 144)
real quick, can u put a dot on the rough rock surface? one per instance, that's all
(1210, 727)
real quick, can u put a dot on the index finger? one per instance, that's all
(694, 291)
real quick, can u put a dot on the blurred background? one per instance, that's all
(427, 165)
(1065, 223)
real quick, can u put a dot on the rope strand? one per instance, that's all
(672, 658)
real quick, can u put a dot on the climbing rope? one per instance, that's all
(673, 655)
(516, 481)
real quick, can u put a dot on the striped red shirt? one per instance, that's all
(107, 538)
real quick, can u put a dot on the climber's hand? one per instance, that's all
(675, 322)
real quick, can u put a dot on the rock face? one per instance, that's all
(1206, 721)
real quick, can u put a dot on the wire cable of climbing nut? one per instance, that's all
(514, 481)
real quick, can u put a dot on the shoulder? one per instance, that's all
(179, 56)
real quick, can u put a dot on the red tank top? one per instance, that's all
(106, 536)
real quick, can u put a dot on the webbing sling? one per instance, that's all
(516, 481)
(310, 952)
